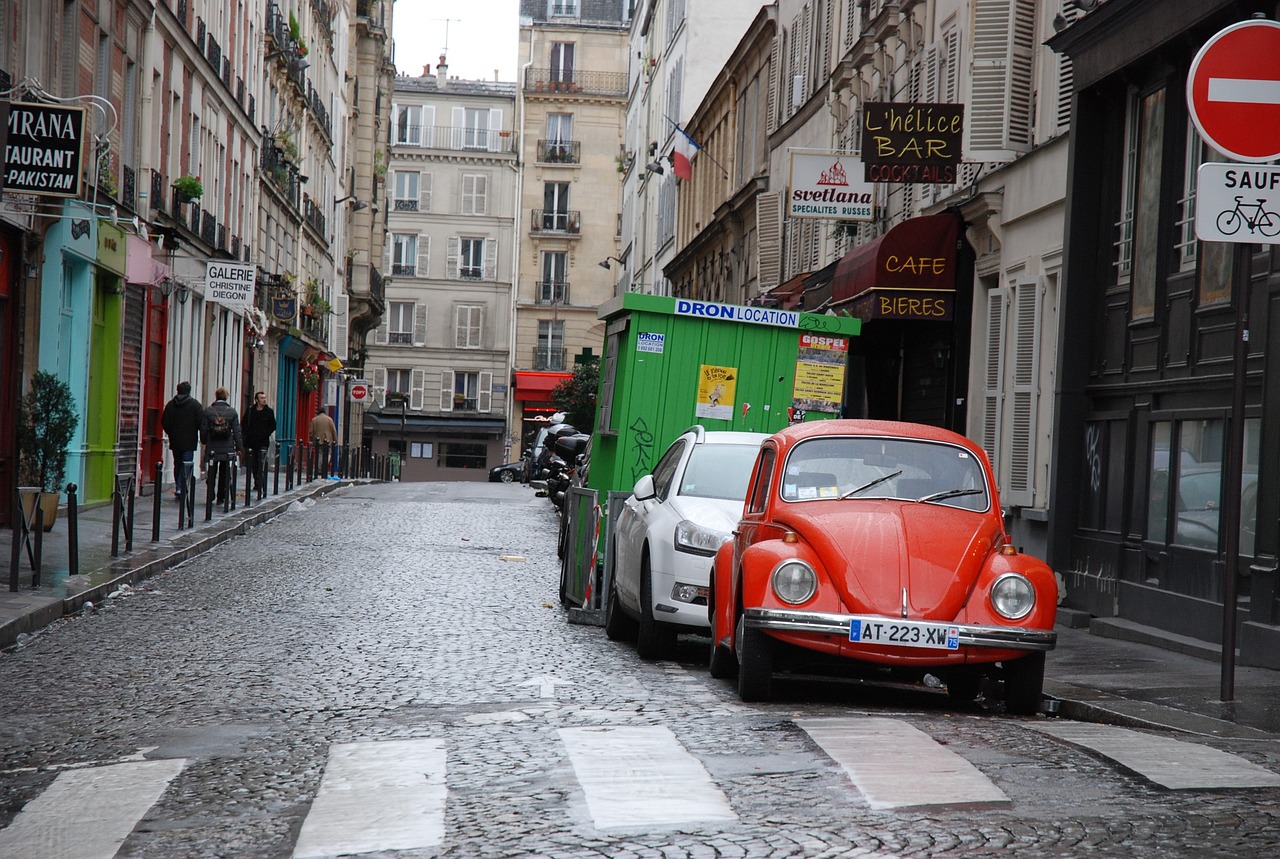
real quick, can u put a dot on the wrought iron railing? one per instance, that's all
(128, 186)
(574, 81)
(552, 292)
(157, 191)
(560, 151)
(567, 222)
(548, 358)
(453, 138)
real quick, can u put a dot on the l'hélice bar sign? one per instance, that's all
(43, 149)
(910, 142)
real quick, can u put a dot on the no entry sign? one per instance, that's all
(1233, 91)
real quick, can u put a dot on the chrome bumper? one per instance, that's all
(828, 623)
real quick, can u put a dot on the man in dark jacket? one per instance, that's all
(259, 423)
(181, 422)
(220, 433)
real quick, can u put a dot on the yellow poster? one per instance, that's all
(716, 388)
(819, 377)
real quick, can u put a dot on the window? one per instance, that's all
(559, 127)
(1185, 484)
(1146, 237)
(475, 193)
(400, 323)
(561, 63)
(406, 191)
(476, 135)
(555, 206)
(563, 8)
(398, 381)
(471, 262)
(549, 354)
(462, 454)
(1102, 504)
(665, 471)
(404, 254)
(408, 125)
(760, 492)
(470, 317)
(1215, 258)
(552, 289)
(466, 391)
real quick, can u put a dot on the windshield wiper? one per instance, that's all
(950, 493)
(866, 486)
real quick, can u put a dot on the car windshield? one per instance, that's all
(867, 467)
(719, 471)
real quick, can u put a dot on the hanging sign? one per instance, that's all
(43, 149)
(230, 283)
(908, 142)
(829, 185)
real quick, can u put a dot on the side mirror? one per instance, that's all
(644, 488)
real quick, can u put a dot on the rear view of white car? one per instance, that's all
(666, 535)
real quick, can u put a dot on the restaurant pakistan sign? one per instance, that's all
(43, 149)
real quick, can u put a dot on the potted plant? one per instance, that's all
(46, 422)
(189, 188)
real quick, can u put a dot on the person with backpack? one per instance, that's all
(220, 433)
(259, 423)
(181, 421)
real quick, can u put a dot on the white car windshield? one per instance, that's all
(867, 467)
(719, 471)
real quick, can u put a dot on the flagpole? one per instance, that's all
(698, 146)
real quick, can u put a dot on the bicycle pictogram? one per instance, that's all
(1252, 215)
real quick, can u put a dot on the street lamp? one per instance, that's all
(404, 442)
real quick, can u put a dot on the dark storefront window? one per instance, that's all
(1146, 230)
(454, 454)
(1186, 485)
(1102, 502)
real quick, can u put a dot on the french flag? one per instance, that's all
(682, 157)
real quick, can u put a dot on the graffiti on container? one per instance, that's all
(642, 448)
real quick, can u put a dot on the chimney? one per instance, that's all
(442, 72)
(426, 70)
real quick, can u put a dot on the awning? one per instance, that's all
(536, 387)
(916, 256)
(390, 421)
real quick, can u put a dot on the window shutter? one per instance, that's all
(467, 204)
(338, 345)
(417, 381)
(387, 267)
(1026, 365)
(992, 386)
(380, 386)
(490, 259)
(396, 135)
(380, 338)
(769, 239)
(424, 191)
(457, 135)
(454, 249)
(429, 125)
(424, 256)
(481, 192)
(446, 390)
(806, 54)
(1066, 78)
(1003, 42)
(485, 395)
(495, 126)
(775, 74)
(420, 324)
(929, 75)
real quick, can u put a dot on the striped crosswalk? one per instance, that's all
(384, 797)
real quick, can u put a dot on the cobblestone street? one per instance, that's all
(428, 613)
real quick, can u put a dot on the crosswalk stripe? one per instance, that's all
(377, 796)
(87, 813)
(895, 765)
(642, 777)
(1171, 763)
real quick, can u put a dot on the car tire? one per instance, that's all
(562, 537)
(1024, 685)
(755, 663)
(617, 625)
(654, 640)
(507, 477)
(964, 686)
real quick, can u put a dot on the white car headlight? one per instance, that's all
(698, 539)
(794, 582)
(1012, 596)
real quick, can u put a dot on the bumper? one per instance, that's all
(827, 623)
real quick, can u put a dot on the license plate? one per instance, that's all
(904, 633)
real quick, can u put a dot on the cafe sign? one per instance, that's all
(43, 149)
(910, 142)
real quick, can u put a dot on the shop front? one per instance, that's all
(433, 448)
(534, 407)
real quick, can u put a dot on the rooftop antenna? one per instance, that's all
(446, 30)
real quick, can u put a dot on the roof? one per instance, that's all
(456, 86)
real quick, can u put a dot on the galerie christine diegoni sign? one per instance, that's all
(829, 185)
(43, 148)
(229, 283)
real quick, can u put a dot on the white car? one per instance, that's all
(666, 535)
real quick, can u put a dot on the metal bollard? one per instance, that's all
(250, 470)
(208, 495)
(276, 489)
(156, 497)
(73, 531)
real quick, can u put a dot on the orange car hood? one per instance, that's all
(872, 550)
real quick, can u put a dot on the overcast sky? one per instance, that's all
(482, 36)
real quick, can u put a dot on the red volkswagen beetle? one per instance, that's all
(879, 548)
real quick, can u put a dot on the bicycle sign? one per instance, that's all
(1238, 203)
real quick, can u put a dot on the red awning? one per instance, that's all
(536, 387)
(919, 253)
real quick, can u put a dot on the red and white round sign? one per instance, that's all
(359, 392)
(1233, 90)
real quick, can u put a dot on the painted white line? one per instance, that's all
(87, 813)
(642, 777)
(377, 796)
(1170, 763)
(1244, 90)
(894, 765)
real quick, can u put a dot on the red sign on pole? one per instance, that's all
(359, 392)
(1233, 91)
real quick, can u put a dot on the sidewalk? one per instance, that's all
(1116, 677)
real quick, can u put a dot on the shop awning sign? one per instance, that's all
(43, 150)
(230, 283)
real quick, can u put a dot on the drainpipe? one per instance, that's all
(513, 430)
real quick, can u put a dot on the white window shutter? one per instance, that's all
(380, 386)
(338, 344)
(775, 73)
(424, 256)
(454, 250)
(1000, 103)
(490, 258)
(417, 381)
(380, 338)
(420, 324)
(1025, 355)
(467, 205)
(424, 192)
(495, 126)
(387, 267)
(480, 203)
(460, 326)
(429, 125)
(485, 395)
(769, 239)
(459, 128)
(993, 384)
(395, 124)
(446, 390)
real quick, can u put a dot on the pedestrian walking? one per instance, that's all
(258, 424)
(323, 432)
(181, 422)
(220, 433)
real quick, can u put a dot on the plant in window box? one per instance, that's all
(188, 188)
(397, 398)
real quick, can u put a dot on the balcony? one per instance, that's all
(405, 205)
(559, 152)
(402, 269)
(312, 215)
(129, 187)
(281, 174)
(548, 358)
(548, 222)
(453, 139)
(157, 191)
(575, 82)
(551, 292)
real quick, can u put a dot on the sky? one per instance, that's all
(482, 36)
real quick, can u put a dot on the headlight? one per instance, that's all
(794, 582)
(1012, 596)
(698, 540)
